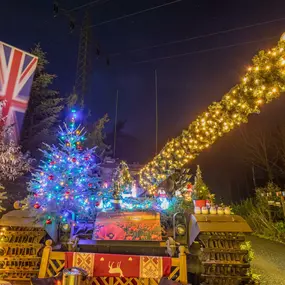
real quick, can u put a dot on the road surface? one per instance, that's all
(269, 261)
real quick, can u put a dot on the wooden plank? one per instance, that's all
(175, 262)
(45, 259)
(57, 255)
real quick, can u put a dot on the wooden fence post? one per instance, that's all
(183, 265)
(45, 259)
(283, 205)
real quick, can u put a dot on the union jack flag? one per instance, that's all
(17, 70)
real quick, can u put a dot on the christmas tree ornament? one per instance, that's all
(37, 206)
(17, 205)
(50, 177)
(48, 221)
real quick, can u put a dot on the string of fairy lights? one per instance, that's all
(263, 82)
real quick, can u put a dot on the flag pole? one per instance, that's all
(116, 120)
(156, 113)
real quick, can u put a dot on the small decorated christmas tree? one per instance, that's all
(65, 181)
(201, 190)
(122, 181)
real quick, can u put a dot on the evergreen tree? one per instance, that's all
(13, 163)
(122, 180)
(43, 109)
(201, 190)
(97, 136)
(65, 180)
(72, 100)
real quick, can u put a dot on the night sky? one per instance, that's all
(186, 84)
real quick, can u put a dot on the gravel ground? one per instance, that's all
(269, 261)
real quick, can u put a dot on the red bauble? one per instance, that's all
(90, 185)
(97, 204)
(53, 162)
(189, 186)
(67, 193)
(86, 157)
(37, 206)
(48, 221)
(51, 177)
(73, 159)
(79, 147)
(36, 195)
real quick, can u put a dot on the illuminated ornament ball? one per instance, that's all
(263, 82)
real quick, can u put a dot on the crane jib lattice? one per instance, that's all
(263, 82)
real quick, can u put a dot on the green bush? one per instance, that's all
(259, 215)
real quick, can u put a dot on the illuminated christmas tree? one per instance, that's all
(66, 181)
(122, 181)
(201, 190)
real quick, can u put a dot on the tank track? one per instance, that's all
(224, 262)
(20, 250)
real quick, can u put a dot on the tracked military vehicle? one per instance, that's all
(220, 237)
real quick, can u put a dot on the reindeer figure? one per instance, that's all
(115, 270)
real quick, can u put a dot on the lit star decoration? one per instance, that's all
(263, 82)
(65, 181)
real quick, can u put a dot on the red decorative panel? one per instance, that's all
(132, 226)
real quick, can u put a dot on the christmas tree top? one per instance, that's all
(66, 181)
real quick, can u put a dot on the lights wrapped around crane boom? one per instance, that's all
(263, 82)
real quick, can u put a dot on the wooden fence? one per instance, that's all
(53, 262)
